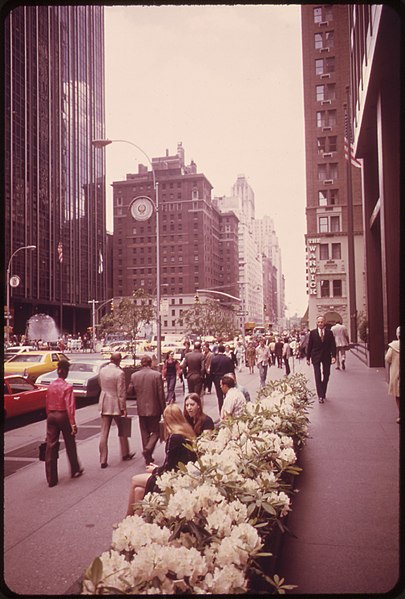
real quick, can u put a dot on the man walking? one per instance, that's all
(60, 410)
(321, 350)
(112, 405)
(262, 360)
(220, 365)
(147, 386)
(193, 369)
(207, 379)
(342, 343)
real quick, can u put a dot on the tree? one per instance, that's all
(128, 315)
(209, 318)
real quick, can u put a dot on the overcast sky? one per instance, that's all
(226, 81)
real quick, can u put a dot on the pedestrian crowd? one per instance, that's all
(198, 369)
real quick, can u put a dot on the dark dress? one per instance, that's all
(175, 452)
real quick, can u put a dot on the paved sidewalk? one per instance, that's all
(345, 518)
(346, 514)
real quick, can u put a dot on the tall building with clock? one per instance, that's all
(198, 243)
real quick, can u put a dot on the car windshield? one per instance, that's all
(81, 367)
(26, 358)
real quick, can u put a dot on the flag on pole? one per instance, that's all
(60, 252)
(100, 262)
(348, 146)
(349, 152)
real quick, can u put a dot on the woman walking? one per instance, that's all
(171, 371)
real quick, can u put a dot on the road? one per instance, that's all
(345, 517)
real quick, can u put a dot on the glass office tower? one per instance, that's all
(53, 102)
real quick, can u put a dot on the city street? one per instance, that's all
(345, 516)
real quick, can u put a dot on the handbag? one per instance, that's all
(42, 451)
(124, 426)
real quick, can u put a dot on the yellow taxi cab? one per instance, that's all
(32, 364)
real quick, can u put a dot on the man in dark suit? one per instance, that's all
(193, 368)
(220, 365)
(147, 386)
(321, 350)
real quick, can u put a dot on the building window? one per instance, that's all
(332, 143)
(318, 38)
(318, 15)
(321, 145)
(325, 289)
(329, 39)
(336, 251)
(322, 170)
(320, 118)
(331, 118)
(320, 92)
(324, 251)
(322, 198)
(328, 197)
(323, 224)
(335, 224)
(337, 288)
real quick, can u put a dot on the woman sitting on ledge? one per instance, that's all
(180, 434)
(195, 416)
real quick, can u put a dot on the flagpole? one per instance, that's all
(350, 229)
(60, 260)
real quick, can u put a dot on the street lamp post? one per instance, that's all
(25, 247)
(102, 143)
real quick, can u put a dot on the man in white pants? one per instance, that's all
(342, 344)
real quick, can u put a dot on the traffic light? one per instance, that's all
(196, 299)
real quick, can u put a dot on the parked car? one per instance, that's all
(83, 375)
(34, 363)
(14, 350)
(22, 395)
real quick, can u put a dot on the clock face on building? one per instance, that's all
(141, 208)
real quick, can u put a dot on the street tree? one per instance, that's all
(208, 318)
(128, 315)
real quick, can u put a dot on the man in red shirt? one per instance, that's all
(60, 410)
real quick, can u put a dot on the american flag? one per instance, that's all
(100, 262)
(348, 146)
(60, 252)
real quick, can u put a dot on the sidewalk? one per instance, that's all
(346, 513)
(345, 518)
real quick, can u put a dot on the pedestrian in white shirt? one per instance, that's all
(234, 400)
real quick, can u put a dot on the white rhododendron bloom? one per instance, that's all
(197, 535)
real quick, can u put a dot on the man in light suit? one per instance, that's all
(112, 405)
(321, 350)
(147, 386)
(342, 343)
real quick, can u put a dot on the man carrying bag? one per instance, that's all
(112, 406)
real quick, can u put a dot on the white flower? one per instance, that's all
(225, 580)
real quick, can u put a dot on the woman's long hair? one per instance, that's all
(200, 417)
(176, 423)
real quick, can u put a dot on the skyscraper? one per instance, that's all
(333, 201)
(375, 69)
(53, 101)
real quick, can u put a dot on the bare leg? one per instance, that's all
(137, 490)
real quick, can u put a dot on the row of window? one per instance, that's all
(323, 13)
(325, 92)
(331, 251)
(324, 40)
(335, 286)
(328, 171)
(329, 224)
(326, 144)
(324, 66)
(325, 118)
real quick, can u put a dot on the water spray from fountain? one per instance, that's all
(42, 326)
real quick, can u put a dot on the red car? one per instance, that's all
(22, 395)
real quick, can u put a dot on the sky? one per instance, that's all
(226, 81)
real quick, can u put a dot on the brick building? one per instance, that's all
(331, 221)
(198, 243)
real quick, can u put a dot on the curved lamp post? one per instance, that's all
(102, 143)
(25, 247)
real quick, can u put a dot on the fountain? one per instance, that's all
(42, 326)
